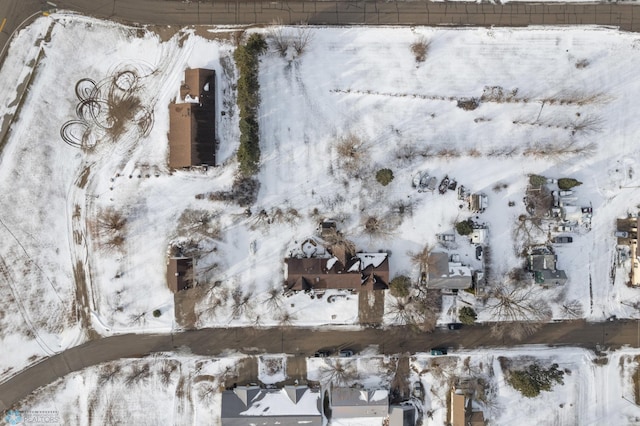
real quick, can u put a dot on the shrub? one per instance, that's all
(467, 315)
(533, 379)
(464, 227)
(384, 176)
(568, 183)
(399, 286)
(157, 313)
(420, 48)
(537, 181)
(246, 57)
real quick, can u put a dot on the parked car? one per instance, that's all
(565, 193)
(479, 252)
(446, 237)
(322, 353)
(454, 326)
(563, 240)
(345, 353)
(622, 234)
(417, 390)
(438, 351)
(564, 228)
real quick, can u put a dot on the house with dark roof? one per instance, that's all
(179, 273)
(289, 406)
(447, 275)
(542, 262)
(362, 271)
(347, 403)
(192, 130)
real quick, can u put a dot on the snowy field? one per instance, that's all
(65, 275)
(180, 389)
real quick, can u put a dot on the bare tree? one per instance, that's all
(518, 311)
(338, 372)
(241, 303)
(573, 309)
(420, 49)
(352, 152)
(273, 299)
(137, 374)
(166, 371)
(376, 227)
(278, 37)
(108, 373)
(286, 319)
(302, 39)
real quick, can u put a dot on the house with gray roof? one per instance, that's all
(289, 406)
(402, 415)
(347, 403)
(447, 275)
(542, 262)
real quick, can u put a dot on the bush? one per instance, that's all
(533, 379)
(246, 57)
(568, 183)
(157, 313)
(464, 227)
(420, 48)
(384, 176)
(467, 315)
(537, 181)
(399, 286)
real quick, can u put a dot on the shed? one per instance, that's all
(179, 273)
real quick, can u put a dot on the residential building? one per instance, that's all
(192, 131)
(402, 415)
(289, 406)
(363, 271)
(179, 273)
(444, 274)
(542, 263)
(349, 403)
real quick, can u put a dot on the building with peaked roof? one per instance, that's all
(179, 273)
(457, 415)
(543, 264)
(192, 131)
(444, 274)
(402, 415)
(289, 406)
(363, 271)
(347, 403)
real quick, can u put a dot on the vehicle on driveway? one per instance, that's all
(479, 252)
(438, 351)
(417, 391)
(563, 240)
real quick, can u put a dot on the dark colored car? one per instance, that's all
(454, 326)
(438, 351)
(323, 353)
(563, 240)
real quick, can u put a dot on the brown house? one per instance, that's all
(179, 273)
(192, 132)
(364, 271)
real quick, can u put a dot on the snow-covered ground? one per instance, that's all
(169, 389)
(359, 83)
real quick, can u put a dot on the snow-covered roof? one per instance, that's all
(292, 405)
(371, 259)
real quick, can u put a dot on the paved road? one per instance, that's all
(304, 342)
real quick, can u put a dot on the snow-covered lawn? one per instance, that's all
(169, 389)
(537, 89)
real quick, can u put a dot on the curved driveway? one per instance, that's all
(303, 342)
(297, 340)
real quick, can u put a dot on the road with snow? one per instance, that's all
(304, 342)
